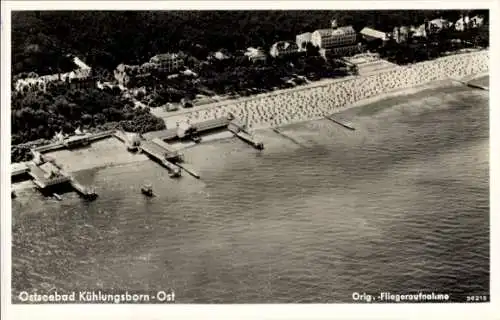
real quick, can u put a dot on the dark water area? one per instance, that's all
(401, 204)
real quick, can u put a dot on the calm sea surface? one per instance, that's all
(401, 204)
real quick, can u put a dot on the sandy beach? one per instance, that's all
(311, 102)
(298, 104)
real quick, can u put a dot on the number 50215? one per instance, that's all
(477, 298)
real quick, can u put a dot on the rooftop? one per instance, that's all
(165, 57)
(338, 31)
(373, 33)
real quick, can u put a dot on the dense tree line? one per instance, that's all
(240, 77)
(40, 115)
(43, 42)
(105, 39)
(433, 46)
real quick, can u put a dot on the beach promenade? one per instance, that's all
(314, 100)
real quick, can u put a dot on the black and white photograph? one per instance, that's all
(239, 156)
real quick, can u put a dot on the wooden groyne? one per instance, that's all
(477, 86)
(74, 141)
(278, 131)
(50, 174)
(343, 123)
(472, 85)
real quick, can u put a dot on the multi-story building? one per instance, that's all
(464, 22)
(80, 78)
(430, 27)
(283, 48)
(330, 38)
(168, 62)
(302, 39)
(131, 75)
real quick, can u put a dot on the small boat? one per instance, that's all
(259, 145)
(147, 190)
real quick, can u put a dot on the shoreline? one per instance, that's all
(135, 158)
(306, 103)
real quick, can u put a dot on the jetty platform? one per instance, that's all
(49, 174)
(73, 142)
(199, 128)
(162, 155)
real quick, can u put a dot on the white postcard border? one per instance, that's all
(273, 311)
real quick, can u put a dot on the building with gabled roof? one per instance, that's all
(372, 34)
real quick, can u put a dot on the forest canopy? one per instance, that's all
(107, 38)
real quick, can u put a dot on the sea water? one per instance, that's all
(399, 205)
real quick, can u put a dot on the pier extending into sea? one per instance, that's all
(46, 174)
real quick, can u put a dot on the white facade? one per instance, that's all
(302, 38)
(374, 34)
(283, 48)
(329, 38)
(40, 83)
